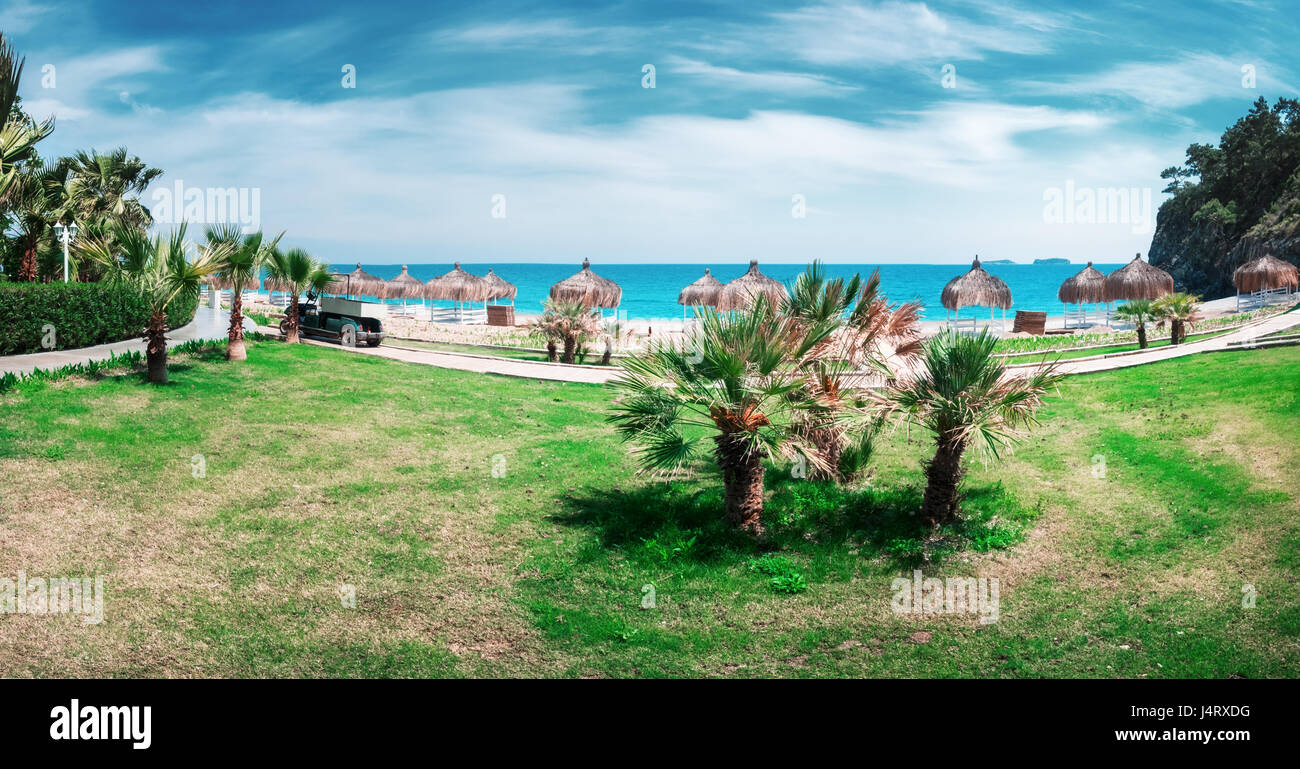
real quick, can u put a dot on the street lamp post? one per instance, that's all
(65, 236)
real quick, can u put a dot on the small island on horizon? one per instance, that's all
(1052, 260)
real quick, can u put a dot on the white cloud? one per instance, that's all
(20, 16)
(81, 81)
(796, 83)
(1170, 85)
(898, 33)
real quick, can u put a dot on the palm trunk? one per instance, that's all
(827, 440)
(742, 482)
(608, 354)
(291, 328)
(156, 347)
(1142, 336)
(235, 349)
(551, 354)
(27, 267)
(943, 477)
(570, 345)
(1176, 334)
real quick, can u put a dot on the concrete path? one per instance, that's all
(207, 324)
(560, 372)
(483, 364)
(1247, 334)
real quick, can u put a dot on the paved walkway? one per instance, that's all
(483, 364)
(1246, 334)
(207, 324)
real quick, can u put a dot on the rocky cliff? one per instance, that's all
(1233, 202)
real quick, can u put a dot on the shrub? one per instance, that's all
(82, 315)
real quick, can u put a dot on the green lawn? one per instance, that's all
(329, 472)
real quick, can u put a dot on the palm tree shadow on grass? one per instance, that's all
(676, 521)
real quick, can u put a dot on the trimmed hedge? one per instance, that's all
(83, 314)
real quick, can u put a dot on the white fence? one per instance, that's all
(1084, 317)
(1257, 299)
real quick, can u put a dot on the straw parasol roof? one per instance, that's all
(1087, 287)
(702, 293)
(458, 286)
(1138, 280)
(739, 294)
(1265, 273)
(404, 286)
(501, 288)
(589, 288)
(976, 288)
(361, 283)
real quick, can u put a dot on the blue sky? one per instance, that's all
(842, 104)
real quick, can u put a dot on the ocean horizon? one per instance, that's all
(650, 290)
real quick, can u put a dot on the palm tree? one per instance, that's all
(740, 378)
(100, 187)
(1180, 310)
(296, 273)
(33, 197)
(869, 331)
(19, 133)
(159, 268)
(566, 322)
(246, 256)
(1138, 312)
(962, 393)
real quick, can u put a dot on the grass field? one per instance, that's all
(495, 527)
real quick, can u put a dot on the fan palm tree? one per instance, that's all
(296, 273)
(568, 323)
(1180, 311)
(107, 187)
(739, 378)
(869, 332)
(1139, 312)
(160, 269)
(962, 394)
(19, 134)
(242, 267)
(33, 197)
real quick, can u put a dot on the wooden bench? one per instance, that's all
(1030, 322)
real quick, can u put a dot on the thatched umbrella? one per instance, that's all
(460, 287)
(1138, 280)
(1266, 273)
(977, 288)
(589, 288)
(404, 286)
(222, 283)
(702, 293)
(361, 283)
(739, 294)
(1087, 287)
(501, 288)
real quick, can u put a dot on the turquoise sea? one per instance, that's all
(650, 290)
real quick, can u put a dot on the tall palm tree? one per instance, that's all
(1139, 313)
(962, 394)
(568, 323)
(1180, 311)
(160, 269)
(34, 201)
(869, 332)
(740, 378)
(107, 187)
(295, 273)
(243, 265)
(19, 134)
